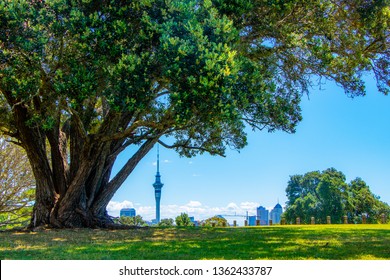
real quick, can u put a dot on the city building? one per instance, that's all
(252, 220)
(157, 188)
(127, 212)
(262, 215)
(276, 214)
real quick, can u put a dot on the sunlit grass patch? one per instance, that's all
(276, 242)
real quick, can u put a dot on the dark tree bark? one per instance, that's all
(46, 196)
(74, 192)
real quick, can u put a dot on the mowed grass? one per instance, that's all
(332, 242)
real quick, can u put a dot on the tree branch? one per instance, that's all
(256, 124)
(79, 123)
(189, 147)
(105, 196)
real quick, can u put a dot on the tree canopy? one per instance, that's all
(166, 223)
(321, 194)
(183, 220)
(82, 80)
(132, 221)
(216, 221)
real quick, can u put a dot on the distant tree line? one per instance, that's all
(132, 221)
(182, 220)
(321, 194)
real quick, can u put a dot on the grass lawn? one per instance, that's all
(332, 242)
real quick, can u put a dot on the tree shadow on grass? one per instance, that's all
(277, 243)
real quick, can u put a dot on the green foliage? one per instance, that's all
(132, 221)
(321, 194)
(216, 221)
(340, 40)
(183, 220)
(166, 223)
(16, 219)
(218, 64)
(363, 201)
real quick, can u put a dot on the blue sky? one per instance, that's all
(349, 134)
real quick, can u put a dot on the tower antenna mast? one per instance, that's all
(158, 186)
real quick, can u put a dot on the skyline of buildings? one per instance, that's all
(263, 214)
(262, 217)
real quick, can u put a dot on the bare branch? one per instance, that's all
(256, 124)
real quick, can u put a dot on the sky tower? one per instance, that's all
(157, 187)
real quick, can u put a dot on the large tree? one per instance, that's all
(321, 194)
(363, 202)
(82, 80)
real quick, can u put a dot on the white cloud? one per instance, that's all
(232, 207)
(249, 205)
(154, 163)
(194, 204)
(114, 207)
(147, 212)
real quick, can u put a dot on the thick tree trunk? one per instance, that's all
(74, 190)
(33, 139)
(108, 192)
(89, 192)
(45, 195)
